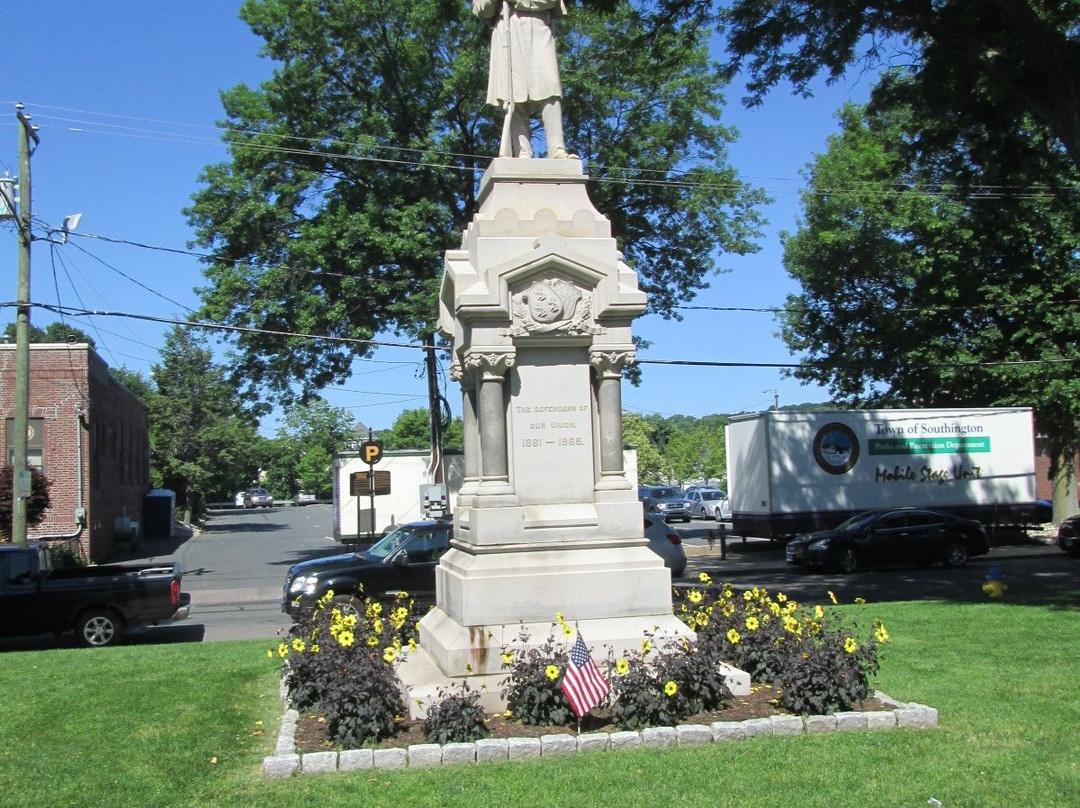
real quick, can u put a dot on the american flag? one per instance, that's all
(583, 683)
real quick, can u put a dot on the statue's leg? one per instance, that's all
(519, 130)
(551, 115)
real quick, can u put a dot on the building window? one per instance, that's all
(35, 442)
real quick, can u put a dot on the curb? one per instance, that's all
(285, 762)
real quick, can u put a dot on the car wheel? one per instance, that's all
(956, 555)
(98, 627)
(848, 561)
(348, 604)
(686, 518)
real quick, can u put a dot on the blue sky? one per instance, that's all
(125, 93)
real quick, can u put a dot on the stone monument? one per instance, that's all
(538, 304)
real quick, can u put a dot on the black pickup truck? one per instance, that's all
(99, 603)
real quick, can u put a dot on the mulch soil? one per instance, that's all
(761, 703)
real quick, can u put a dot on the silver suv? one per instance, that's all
(664, 501)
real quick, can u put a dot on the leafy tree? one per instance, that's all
(638, 433)
(1005, 64)
(53, 332)
(412, 430)
(36, 504)
(302, 452)
(354, 168)
(938, 267)
(201, 440)
(135, 382)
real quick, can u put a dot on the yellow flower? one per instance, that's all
(860, 601)
(748, 596)
(558, 617)
(781, 597)
(850, 645)
(349, 621)
(377, 626)
(346, 638)
(412, 645)
(315, 648)
(646, 646)
(468, 668)
(372, 641)
(269, 653)
(390, 654)
(832, 597)
(694, 596)
(728, 594)
(818, 612)
(298, 645)
(374, 609)
(881, 634)
(551, 672)
(622, 667)
(704, 578)
(508, 658)
(733, 636)
(283, 650)
(702, 620)
(670, 689)
(751, 623)
(567, 629)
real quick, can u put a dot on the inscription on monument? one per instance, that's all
(552, 432)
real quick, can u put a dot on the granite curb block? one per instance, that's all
(286, 763)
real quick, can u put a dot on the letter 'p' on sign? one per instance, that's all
(371, 452)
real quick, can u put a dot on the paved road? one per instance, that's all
(234, 570)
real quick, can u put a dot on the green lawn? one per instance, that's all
(179, 725)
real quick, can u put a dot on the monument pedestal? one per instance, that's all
(538, 303)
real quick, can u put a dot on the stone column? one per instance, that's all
(491, 369)
(607, 367)
(467, 379)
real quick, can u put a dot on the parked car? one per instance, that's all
(705, 502)
(402, 560)
(240, 500)
(258, 498)
(665, 501)
(99, 603)
(1069, 535)
(304, 498)
(891, 536)
(667, 544)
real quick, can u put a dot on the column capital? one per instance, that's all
(610, 362)
(492, 364)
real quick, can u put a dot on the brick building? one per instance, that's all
(88, 434)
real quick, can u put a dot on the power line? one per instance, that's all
(438, 348)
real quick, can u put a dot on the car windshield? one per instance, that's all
(712, 494)
(858, 521)
(666, 493)
(390, 542)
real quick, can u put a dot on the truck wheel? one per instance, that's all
(98, 627)
(348, 604)
(956, 555)
(848, 562)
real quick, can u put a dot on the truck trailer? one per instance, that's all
(791, 472)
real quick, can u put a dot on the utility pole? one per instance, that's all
(21, 479)
(434, 408)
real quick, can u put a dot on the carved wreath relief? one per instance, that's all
(552, 306)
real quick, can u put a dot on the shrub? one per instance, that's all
(532, 691)
(828, 669)
(814, 658)
(456, 717)
(340, 657)
(664, 682)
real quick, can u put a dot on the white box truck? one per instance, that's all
(792, 472)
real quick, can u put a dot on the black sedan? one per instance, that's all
(1069, 535)
(897, 536)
